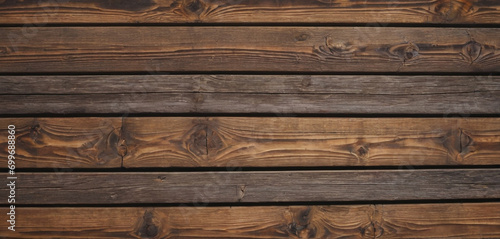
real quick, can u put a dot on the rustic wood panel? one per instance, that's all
(262, 94)
(271, 84)
(471, 220)
(250, 11)
(303, 142)
(463, 103)
(64, 142)
(283, 49)
(248, 186)
(251, 142)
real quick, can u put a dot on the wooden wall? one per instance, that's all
(251, 119)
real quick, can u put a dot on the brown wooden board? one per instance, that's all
(248, 49)
(277, 94)
(63, 142)
(468, 220)
(250, 11)
(254, 186)
(251, 142)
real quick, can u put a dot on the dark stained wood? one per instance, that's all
(463, 103)
(250, 11)
(64, 142)
(252, 49)
(265, 84)
(250, 186)
(469, 220)
(251, 142)
(277, 94)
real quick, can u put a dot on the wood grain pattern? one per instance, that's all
(251, 142)
(176, 141)
(64, 142)
(267, 142)
(257, 187)
(469, 220)
(250, 11)
(252, 49)
(279, 94)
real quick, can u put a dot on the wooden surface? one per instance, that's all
(276, 94)
(469, 220)
(234, 186)
(307, 118)
(250, 11)
(251, 142)
(249, 49)
(64, 142)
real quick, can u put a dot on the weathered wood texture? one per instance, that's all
(470, 220)
(253, 49)
(279, 94)
(250, 11)
(258, 187)
(251, 142)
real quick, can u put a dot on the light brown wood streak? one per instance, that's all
(253, 49)
(468, 220)
(254, 186)
(277, 94)
(251, 142)
(250, 11)
(64, 142)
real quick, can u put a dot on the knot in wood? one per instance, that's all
(195, 6)
(340, 48)
(151, 230)
(191, 9)
(147, 227)
(451, 10)
(214, 141)
(35, 131)
(371, 231)
(471, 51)
(302, 37)
(360, 151)
(411, 51)
(197, 140)
(403, 51)
(306, 82)
(300, 224)
(122, 147)
(301, 231)
(466, 146)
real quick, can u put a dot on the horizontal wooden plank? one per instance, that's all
(270, 84)
(250, 11)
(254, 186)
(351, 141)
(251, 142)
(277, 94)
(252, 49)
(64, 142)
(468, 220)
